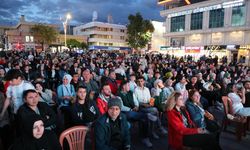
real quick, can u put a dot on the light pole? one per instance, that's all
(65, 23)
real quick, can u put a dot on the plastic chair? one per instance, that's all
(239, 121)
(75, 137)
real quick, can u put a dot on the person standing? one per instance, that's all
(14, 92)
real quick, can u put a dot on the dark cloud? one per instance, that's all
(50, 11)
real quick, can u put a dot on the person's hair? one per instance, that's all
(244, 83)
(171, 102)
(41, 83)
(140, 77)
(179, 78)
(191, 93)
(13, 74)
(105, 84)
(230, 88)
(25, 93)
(124, 82)
(81, 87)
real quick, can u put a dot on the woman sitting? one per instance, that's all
(238, 101)
(181, 129)
(201, 117)
(45, 94)
(35, 137)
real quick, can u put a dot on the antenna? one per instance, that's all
(95, 16)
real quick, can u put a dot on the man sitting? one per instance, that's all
(111, 129)
(33, 106)
(83, 111)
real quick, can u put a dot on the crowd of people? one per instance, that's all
(42, 95)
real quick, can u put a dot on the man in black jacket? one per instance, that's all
(83, 111)
(111, 129)
(33, 106)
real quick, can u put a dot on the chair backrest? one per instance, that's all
(75, 137)
(227, 105)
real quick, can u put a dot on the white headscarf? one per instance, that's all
(66, 88)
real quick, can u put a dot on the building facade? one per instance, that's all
(210, 27)
(103, 36)
(157, 39)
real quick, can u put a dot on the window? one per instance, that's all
(178, 24)
(122, 37)
(238, 16)
(196, 21)
(216, 18)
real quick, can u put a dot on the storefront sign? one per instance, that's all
(234, 3)
(193, 49)
(171, 48)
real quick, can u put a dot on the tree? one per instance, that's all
(73, 43)
(84, 45)
(44, 34)
(138, 31)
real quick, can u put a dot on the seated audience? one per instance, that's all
(181, 129)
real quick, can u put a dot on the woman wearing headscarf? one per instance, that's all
(35, 137)
(66, 95)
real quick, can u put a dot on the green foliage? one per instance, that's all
(44, 34)
(139, 31)
(73, 43)
(84, 45)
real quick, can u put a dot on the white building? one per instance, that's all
(104, 36)
(157, 39)
(211, 27)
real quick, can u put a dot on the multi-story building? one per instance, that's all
(20, 37)
(211, 27)
(104, 36)
(157, 39)
(3, 38)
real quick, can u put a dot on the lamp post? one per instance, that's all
(65, 23)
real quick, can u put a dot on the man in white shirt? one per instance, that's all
(14, 92)
(143, 96)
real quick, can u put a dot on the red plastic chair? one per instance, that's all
(75, 137)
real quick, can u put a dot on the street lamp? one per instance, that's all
(65, 23)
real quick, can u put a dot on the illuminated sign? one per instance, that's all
(234, 3)
(193, 49)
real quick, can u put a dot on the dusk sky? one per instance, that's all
(50, 11)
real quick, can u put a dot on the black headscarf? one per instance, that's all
(48, 141)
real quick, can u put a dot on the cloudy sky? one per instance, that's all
(50, 11)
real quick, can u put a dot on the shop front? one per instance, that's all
(244, 54)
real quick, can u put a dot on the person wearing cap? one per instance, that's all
(15, 90)
(111, 129)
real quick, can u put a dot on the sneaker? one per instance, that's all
(151, 117)
(155, 136)
(147, 142)
(163, 130)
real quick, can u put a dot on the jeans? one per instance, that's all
(152, 110)
(143, 122)
(245, 111)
